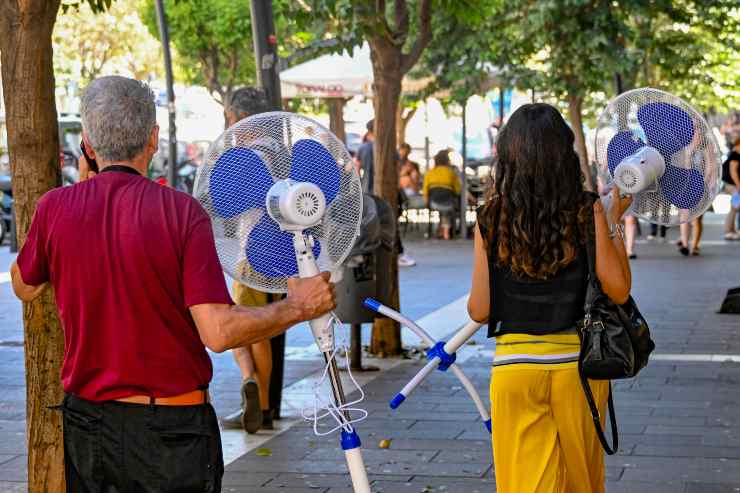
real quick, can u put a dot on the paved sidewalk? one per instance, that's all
(678, 419)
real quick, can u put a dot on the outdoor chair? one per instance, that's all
(414, 203)
(444, 201)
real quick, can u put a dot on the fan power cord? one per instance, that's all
(323, 409)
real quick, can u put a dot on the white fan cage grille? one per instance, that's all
(271, 136)
(702, 154)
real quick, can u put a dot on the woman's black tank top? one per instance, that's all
(525, 305)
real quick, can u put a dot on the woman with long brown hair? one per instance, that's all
(529, 282)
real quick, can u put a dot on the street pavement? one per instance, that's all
(678, 419)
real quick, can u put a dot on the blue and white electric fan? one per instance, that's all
(655, 147)
(285, 200)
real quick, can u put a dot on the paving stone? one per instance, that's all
(449, 469)
(270, 465)
(327, 480)
(641, 486)
(310, 480)
(243, 478)
(15, 469)
(422, 430)
(378, 455)
(688, 451)
(437, 416)
(6, 458)
(433, 485)
(672, 473)
(631, 419)
(267, 489)
(712, 488)
(10, 487)
(437, 444)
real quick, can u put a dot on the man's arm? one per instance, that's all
(223, 327)
(24, 292)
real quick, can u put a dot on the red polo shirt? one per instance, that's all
(126, 257)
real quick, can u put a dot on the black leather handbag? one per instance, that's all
(615, 342)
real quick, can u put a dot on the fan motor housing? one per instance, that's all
(640, 170)
(295, 205)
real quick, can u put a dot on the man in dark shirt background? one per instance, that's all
(139, 311)
(365, 158)
(366, 166)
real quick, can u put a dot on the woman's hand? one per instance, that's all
(618, 205)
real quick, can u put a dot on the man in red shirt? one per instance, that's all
(140, 310)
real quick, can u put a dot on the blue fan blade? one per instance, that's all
(621, 146)
(683, 187)
(668, 128)
(312, 162)
(270, 251)
(239, 181)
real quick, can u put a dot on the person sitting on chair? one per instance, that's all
(443, 176)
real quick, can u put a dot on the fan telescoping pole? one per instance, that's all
(323, 332)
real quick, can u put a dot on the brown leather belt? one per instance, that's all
(193, 398)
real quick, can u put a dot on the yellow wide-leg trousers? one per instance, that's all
(543, 434)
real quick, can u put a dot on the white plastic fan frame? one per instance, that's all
(649, 203)
(271, 135)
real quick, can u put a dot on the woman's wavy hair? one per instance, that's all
(537, 210)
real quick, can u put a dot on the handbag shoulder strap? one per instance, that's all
(610, 450)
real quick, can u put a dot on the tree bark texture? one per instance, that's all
(386, 59)
(336, 118)
(575, 104)
(33, 144)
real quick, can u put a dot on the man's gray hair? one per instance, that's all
(248, 101)
(118, 115)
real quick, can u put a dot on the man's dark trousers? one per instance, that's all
(116, 447)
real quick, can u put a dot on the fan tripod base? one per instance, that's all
(355, 351)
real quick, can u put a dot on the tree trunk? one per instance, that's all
(402, 122)
(336, 118)
(386, 59)
(33, 145)
(576, 122)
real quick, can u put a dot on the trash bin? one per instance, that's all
(366, 272)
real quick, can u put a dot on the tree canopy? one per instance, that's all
(212, 41)
(87, 45)
(691, 49)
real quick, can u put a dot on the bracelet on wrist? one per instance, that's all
(616, 230)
